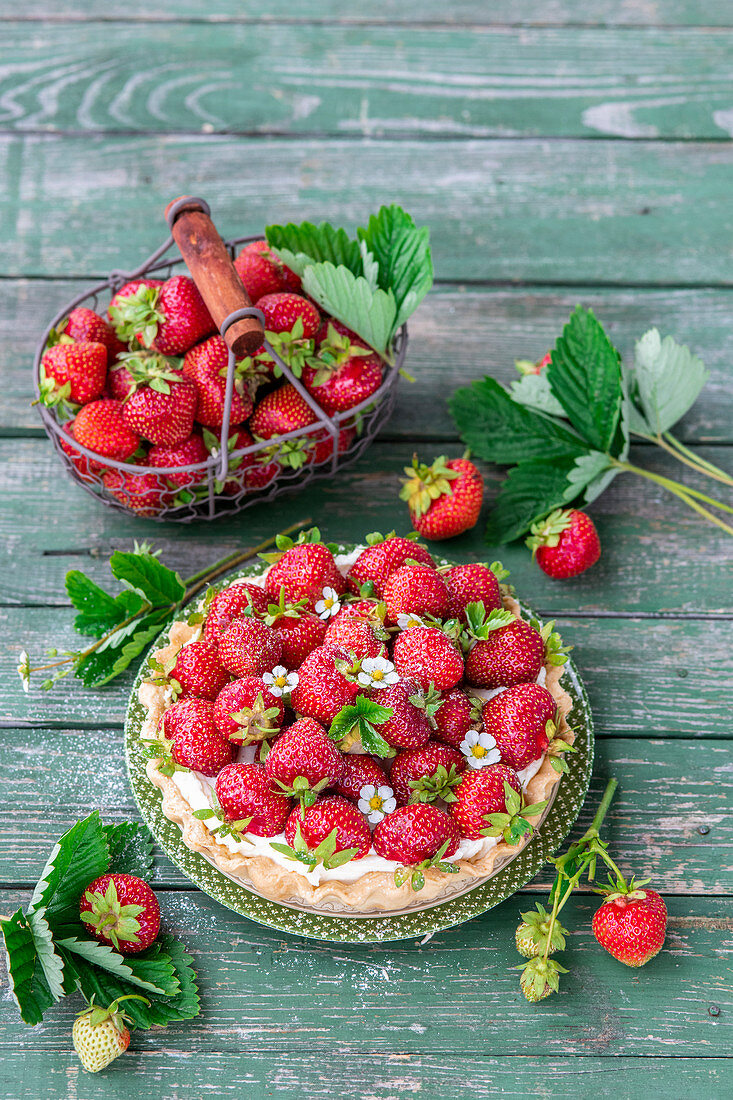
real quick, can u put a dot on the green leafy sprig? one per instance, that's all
(371, 284)
(127, 623)
(51, 954)
(565, 431)
(359, 722)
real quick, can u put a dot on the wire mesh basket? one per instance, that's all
(229, 480)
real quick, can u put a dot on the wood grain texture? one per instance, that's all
(557, 211)
(456, 336)
(668, 788)
(674, 566)
(269, 992)
(644, 676)
(407, 13)
(181, 1075)
(368, 81)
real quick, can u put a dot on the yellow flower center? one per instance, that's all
(329, 603)
(281, 681)
(375, 802)
(479, 751)
(377, 674)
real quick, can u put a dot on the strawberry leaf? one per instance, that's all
(666, 380)
(349, 298)
(142, 571)
(533, 390)
(402, 253)
(80, 856)
(27, 979)
(585, 377)
(99, 612)
(130, 848)
(299, 246)
(152, 970)
(530, 491)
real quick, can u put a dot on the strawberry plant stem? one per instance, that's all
(673, 445)
(680, 491)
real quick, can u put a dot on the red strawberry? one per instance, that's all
(631, 926)
(343, 374)
(300, 632)
(427, 773)
(418, 589)
(357, 635)
(408, 727)
(323, 444)
(262, 272)
(415, 833)
(230, 603)
(472, 583)
(245, 711)
(565, 543)
(245, 470)
(192, 450)
(444, 499)
(318, 821)
(145, 494)
(74, 372)
(527, 366)
(283, 310)
(360, 771)
(163, 404)
(380, 558)
(85, 326)
(197, 743)
(425, 654)
(360, 609)
(245, 790)
(322, 689)
(454, 718)
(304, 758)
(87, 467)
(280, 412)
(169, 318)
(248, 647)
(480, 793)
(517, 720)
(199, 670)
(121, 910)
(303, 572)
(206, 366)
(513, 654)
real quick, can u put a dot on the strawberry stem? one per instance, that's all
(683, 454)
(680, 491)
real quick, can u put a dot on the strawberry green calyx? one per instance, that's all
(414, 874)
(555, 652)
(479, 624)
(557, 748)
(335, 350)
(425, 484)
(513, 824)
(257, 722)
(302, 790)
(161, 750)
(234, 829)
(99, 1015)
(547, 531)
(282, 609)
(162, 675)
(150, 368)
(325, 853)
(438, 785)
(112, 919)
(358, 722)
(283, 543)
(138, 314)
(429, 702)
(293, 348)
(534, 935)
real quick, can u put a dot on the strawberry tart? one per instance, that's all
(358, 731)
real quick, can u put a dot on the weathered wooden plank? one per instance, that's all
(455, 337)
(545, 211)
(411, 13)
(367, 81)
(179, 1075)
(658, 556)
(265, 991)
(668, 790)
(645, 677)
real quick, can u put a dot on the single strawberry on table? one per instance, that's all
(169, 318)
(121, 910)
(245, 711)
(246, 791)
(444, 499)
(73, 372)
(631, 923)
(565, 543)
(101, 1034)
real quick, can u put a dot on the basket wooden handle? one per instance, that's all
(216, 277)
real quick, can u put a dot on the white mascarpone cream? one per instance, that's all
(198, 791)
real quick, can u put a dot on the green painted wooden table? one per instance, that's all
(559, 153)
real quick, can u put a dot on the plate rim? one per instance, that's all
(324, 926)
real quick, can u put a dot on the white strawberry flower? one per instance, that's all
(479, 749)
(280, 682)
(407, 621)
(330, 605)
(376, 802)
(377, 672)
(24, 670)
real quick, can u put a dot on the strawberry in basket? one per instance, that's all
(169, 318)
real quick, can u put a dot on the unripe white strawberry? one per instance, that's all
(101, 1034)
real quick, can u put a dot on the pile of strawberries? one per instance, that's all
(145, 386)
(313, 663)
